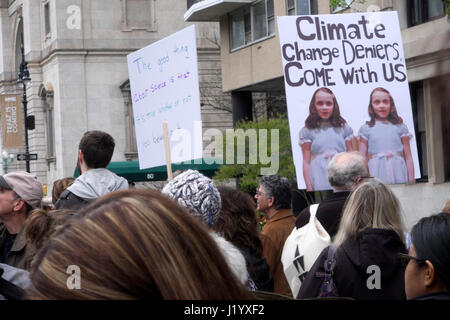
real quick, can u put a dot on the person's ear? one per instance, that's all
(18, 204)
(429, 275)
(271, 201)
(80, 156)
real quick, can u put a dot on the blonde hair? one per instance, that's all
(134, 244)
(371, 205)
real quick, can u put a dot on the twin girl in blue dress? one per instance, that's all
(383, 140)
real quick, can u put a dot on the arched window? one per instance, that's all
(46, 94)
(130, 133)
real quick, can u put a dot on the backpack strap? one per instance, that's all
(312, 211)
(328, 288)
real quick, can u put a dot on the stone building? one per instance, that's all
(251, 62)
(76, 53)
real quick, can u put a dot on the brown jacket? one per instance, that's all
(21, 253)
(274, 234)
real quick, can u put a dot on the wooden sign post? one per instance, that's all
(167, 146)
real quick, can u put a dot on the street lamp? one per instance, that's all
(6, 156)
(24, 75)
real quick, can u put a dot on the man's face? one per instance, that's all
(7, 200)
(262, 201)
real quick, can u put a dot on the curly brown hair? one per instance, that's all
(314, 120)
(238, 222)
(393, 117)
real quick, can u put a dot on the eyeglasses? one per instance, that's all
(405, 258)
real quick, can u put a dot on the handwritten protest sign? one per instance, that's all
(347, 90)
(164, 88)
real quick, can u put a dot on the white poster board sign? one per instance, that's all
(347, 90)
(164, 88)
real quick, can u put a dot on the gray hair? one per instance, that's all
(197, 193)
(371, 205)
(279, 188)
(345, 168)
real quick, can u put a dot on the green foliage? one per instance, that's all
(249, 174)
(342, 5)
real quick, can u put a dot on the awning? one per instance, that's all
(212, 10)
(130, 169)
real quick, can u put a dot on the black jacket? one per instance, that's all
(329, 212)
(259, 271)
(373, 247)
(444, 295)
(67, 200)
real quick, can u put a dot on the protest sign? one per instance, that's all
(12, 129)
(164, 88)
(347, 90)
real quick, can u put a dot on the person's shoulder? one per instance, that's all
(68, 200)
(303, 218)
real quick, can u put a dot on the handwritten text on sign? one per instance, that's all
(164, 87)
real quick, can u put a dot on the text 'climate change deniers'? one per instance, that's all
(313, 29)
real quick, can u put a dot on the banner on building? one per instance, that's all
(12, 120)
(164, 88)
(347, 90)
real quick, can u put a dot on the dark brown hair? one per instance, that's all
(42, 224)
(314, 120)
(134, 244)
(393, 117)
(237, 221)
(59, 186)
(97, 148)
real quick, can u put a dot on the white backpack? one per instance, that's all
(301, 250)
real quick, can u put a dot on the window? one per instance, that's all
(301, 7)
(190, 3)
(417, 101)
(252, 23)
(139, 15)
(130, 132)
(421, 11)
(47, 28)
(46, 94)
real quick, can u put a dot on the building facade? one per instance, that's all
(76, 53)
(251, 62)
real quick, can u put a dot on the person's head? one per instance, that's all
(371, 205)
(95, 150)
(237, 221)
(382, 107)
(346, 170)
(197, 193)
(59, 186)
(42, 224)
(274, 193)
(134, 244)
(428, 269)
(20, 192)
(323, 107)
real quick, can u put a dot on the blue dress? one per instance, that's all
(325, 141)
(385, 150)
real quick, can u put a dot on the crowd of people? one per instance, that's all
(196, 240)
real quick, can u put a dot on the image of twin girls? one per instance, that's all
(384, 140)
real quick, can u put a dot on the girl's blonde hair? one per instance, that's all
(371, 205)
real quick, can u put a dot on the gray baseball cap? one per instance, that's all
(25, 185)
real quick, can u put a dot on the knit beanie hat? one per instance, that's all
(197, 193)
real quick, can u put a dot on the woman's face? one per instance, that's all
(413, 277)
(381, 104)
(324, 104)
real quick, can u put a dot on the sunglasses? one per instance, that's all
(405, 258)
